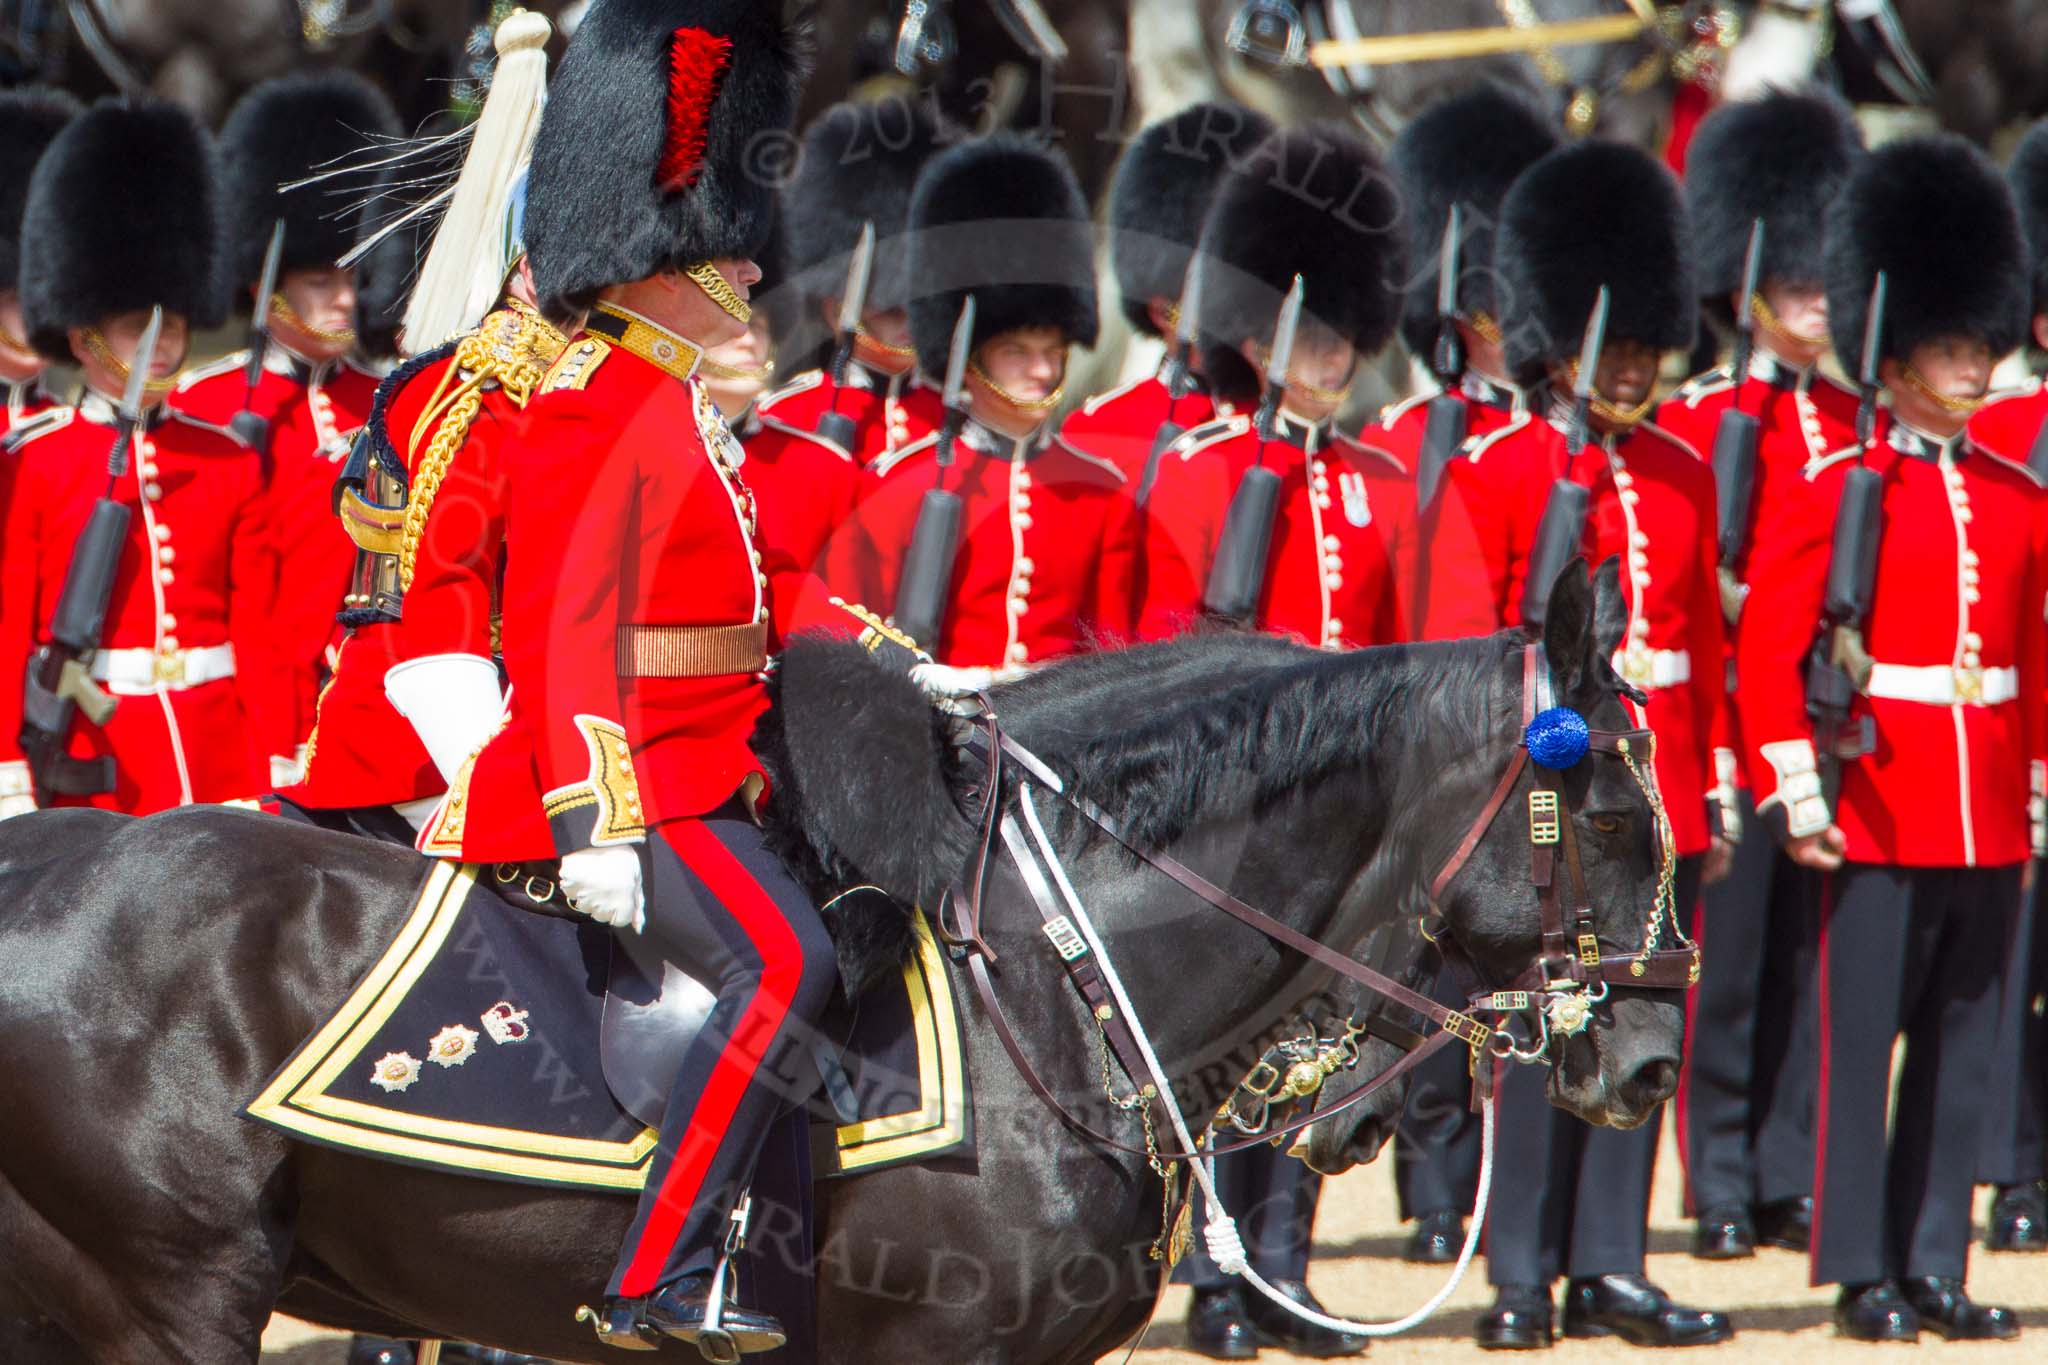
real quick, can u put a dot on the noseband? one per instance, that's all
(1571, 973)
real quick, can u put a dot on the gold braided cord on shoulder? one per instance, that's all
(513, 349)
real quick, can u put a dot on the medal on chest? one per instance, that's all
(1357, 511)
(718, 438)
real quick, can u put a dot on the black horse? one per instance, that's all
(159, 970)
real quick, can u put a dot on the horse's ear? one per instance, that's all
(1610, 612)
(1568, 626)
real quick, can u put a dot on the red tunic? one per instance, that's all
(1119, 426)
(185, 648)
(1048, 555)
(1490, 404)
(1344, 546)
(1956, 710)
(804, 488)
(2010, 422)
(1652, 504)
(29, 398)
(889, 412)
(314, 412)
(363, 752)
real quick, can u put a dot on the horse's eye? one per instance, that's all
(1607, 824)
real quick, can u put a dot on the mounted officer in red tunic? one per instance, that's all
(123, 216)
(637, 606)
(29, 118)
(308, 390)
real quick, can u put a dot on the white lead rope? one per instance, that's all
(1220, 1234)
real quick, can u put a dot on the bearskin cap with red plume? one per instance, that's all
(666, 136)
(285, 130)
(30, 118)
(124, 211)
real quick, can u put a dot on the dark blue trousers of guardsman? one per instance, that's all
(724, 908)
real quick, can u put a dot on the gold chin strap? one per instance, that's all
(9, 341)
(1045, 404)
(286, 314)
(1955, 407)
(715, 288)
(1312, 391)
(1771, 323)
(152, 389)
(1608, 410)
(886, 348)
(758, 374)
(1489, 330)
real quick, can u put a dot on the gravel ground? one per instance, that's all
(1358, 1270)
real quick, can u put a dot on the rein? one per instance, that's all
(1556, 985)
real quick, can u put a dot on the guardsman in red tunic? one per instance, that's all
(29, 118)
(1745, 1101)
(1463, 151)
(1343, 547)
(1048, 547)
(1588, 216)
(2015, 1155)
(1924, 800)
(312, 393)
(858, 164)
(123, 215)
(1157, 201)
(637, 606)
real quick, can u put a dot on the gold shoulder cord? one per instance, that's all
(514, 347)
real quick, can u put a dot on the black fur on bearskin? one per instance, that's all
(30, 118)
(858, 164)
(2027, 172)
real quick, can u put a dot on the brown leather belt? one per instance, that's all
(692, 651)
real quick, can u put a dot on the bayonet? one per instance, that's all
(922, 592)
(1866, 373)
(1745, 308)
(1589, 365)
(129, 415)
(954, 392)
(1445, 421)
(250, 428)
(1180, 375)
(835, 426)
(1448, 360)
(1278, 359)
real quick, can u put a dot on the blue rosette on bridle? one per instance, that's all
(1557, 738)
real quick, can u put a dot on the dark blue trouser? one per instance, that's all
(2015, 1146)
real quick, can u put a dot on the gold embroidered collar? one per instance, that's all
(674, 356)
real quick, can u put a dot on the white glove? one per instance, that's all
(452, 701)
(604, 883)
(2037, 806)
(943, 683)
(17, 797)
(288, 770)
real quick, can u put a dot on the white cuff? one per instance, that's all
(453, 703)
(1806, 810)
(14, 778)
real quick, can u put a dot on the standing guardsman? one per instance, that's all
(1269, 515)
(1461, 153)
(29, 118)
(298, 376)
(1595, 240)
(1044, 539)
(1759, 178)
(637, 604)
(165, 704)
(857, 166)
(415, 689)
(2015, 1153)
(1903, 747)
(1157, 201)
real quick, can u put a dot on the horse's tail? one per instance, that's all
(864, 774)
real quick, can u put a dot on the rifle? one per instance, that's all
(1735, 439)
(1839, 665)
(835, 426)
(59, 680)
(923, 592)
(1180, 375)
(1445, 417)
(1564, 511)
(249, 427)
(1238, 575)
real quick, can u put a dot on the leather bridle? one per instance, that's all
(1558, 988)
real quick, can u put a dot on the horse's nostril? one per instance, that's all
(1654, 1081)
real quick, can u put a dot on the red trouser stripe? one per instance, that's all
(1820, 1121)
(761, 920)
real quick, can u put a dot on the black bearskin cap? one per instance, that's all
(285, 130)
(1161, 194)
(1936, 217)
(858, 165)
(1782, 158)
(1314, 202)
(1589, 214)
(2028, 176)
(29, 118)
(1464, 150)
(665, 136)
(1002, 219)
(123, 212)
